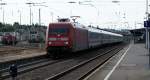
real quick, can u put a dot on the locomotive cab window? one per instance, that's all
(55, 31)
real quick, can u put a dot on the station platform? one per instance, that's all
(132, 63)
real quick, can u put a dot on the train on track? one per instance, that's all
(9, 39)
(72, 37)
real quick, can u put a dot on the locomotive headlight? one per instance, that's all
(66, 43)
(49, 42)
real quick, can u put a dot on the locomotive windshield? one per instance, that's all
(53, 31)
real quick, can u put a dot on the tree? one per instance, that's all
(1, 25)
(16, 25)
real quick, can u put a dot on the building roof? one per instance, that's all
(138, 32)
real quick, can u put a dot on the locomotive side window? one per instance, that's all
(54, 31)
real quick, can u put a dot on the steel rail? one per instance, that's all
(97, 66)
(61, 74)
(24, 65)
(30, 67)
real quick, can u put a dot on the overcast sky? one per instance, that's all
(103, 12)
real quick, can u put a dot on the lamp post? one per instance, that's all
(146, 28)
(39, 16)
(30, 3)
(117, 13)
(147, 31)
(2, 4)
(19, 16)
(35, 4)
(40, 12)
(71, 2)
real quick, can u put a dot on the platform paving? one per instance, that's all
(134, 66)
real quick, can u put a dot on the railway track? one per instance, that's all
(24, 68)
(69, 73)
(27, 64)
(21, 63)
(28, 67)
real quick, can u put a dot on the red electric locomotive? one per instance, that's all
(65, 36)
